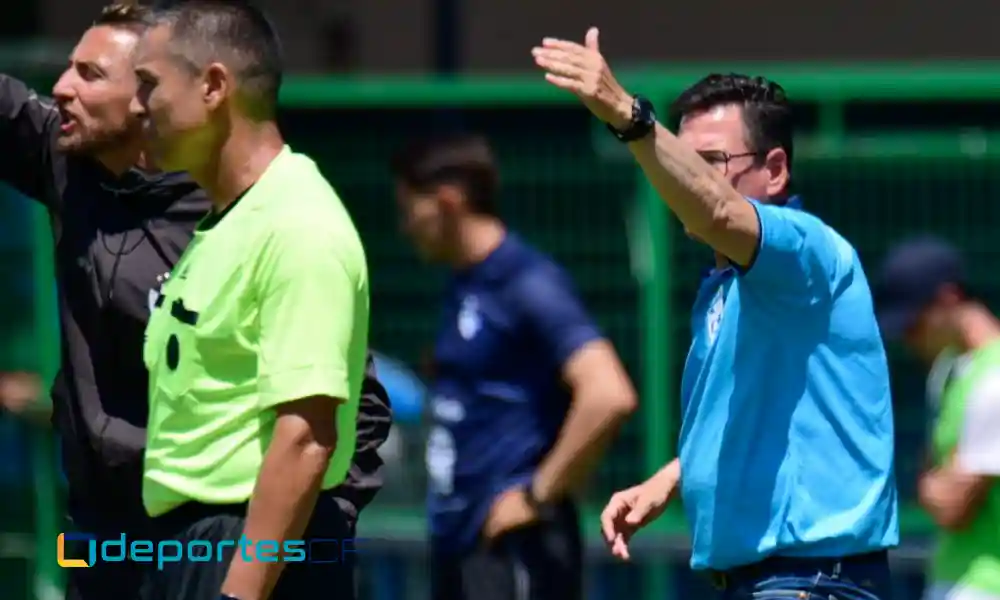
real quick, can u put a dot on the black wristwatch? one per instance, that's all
(643, 121)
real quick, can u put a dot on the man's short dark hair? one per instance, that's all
(767, 113)
(126, 15)
(236, 34)
(464, 160)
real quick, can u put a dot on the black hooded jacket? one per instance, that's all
(115, 240)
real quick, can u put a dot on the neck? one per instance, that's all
(240, 162)
(122, 158)
(478, 238)
(977, 327)
(145, 163)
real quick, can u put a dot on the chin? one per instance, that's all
(72, 144)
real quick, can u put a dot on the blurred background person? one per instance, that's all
(925, 301)
(526, 396)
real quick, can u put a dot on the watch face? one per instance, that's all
(646, 112)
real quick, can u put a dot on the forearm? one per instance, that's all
(671, 472)
(282, 503)
(590, 426)
(693, 190)
(950, 497)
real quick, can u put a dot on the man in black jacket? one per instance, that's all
(118, 230)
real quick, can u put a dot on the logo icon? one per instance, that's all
(75, 563)
(469, 320)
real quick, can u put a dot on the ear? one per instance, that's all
(217, 85)
(776, 164)
(949, 295)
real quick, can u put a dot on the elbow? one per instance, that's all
(721, 214)
(624, 403)
(616, 405)
(313, 459)
(308, 449)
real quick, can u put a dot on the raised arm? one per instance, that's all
(708, 206)
(28, 127)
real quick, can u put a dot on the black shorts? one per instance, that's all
(329, 568)
(105, 581)
(540, 562)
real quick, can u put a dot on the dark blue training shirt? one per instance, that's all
(498, 401)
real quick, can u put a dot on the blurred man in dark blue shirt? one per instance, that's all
(526, 395)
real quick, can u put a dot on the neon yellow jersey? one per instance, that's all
(267, 305)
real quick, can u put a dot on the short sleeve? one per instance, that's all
(554, 313)
(797, 256)
(309, 292)
(979, 443)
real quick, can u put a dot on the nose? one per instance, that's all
(63, 90)
(137, 108)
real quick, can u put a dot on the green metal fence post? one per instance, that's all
(658, 387)
(48, 581)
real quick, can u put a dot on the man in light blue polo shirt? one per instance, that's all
(786, 445)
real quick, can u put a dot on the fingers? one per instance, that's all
(619, 547)
(610, 515)
(558, 67)
(591, 41)
(565, 83)
(564, 45)
(640, 510)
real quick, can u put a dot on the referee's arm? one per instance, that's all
(303, 372)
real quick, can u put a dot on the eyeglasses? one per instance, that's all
(720, 158)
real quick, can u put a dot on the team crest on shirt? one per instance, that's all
(713, 319)
(469, 319)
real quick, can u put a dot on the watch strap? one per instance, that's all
(643, 121)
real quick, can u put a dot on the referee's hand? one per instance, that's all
(581, 69)
(630, 510)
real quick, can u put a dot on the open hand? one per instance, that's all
(581, 69)
(630, 510)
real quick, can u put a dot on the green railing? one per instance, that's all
(872, 173)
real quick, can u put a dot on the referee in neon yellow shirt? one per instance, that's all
(256, 352)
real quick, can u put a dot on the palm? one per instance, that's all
(581, 69)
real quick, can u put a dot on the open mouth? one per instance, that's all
(67, 122)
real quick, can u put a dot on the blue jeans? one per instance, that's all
(806, 579)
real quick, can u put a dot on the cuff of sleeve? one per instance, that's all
(745, 270)
(575, 341)
(304, 382)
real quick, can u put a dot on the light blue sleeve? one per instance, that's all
(798, 257)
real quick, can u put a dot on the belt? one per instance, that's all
(772, 565)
